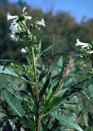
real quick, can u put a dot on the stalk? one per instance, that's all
(36, 91)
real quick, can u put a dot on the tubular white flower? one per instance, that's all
(9, 17)
(13, 37)
(42, 22)
(83, 45)
(90, 52)
(23, 50)
(24, 9)
(29, 17)
(13, 27)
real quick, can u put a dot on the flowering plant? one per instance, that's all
(40, 98)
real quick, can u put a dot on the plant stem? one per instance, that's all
(87, 97)
(64, 100)
(36, 91)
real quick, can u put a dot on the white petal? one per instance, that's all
(23, 50)
(91, 52)
(24, 9)
(13, 27)
(83, 45)
(42, 22)
(13, 37)
(9, 17)
(29, 17)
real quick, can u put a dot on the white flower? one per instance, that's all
(42, 22)
(13, 37)
(13, 27)
(23, 50)
(9, 17)
(91, 52)
(83, 45)
(24, 9)
(29, 17)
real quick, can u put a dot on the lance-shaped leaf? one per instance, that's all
(68, 83)
(57, 54)
(57, 101)
(45, 86)
(42, 75)
(51, 46)
(66, 120)
(60, 64)
(13, 102)
(90, 88)
(76, 88)
(90, 122)
(56, 84)
(6, 71)
(14, 87)
(11, 61)
(53, 89)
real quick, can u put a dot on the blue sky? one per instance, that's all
(77, 8)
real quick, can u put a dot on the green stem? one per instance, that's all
(36, 90)
(57, 106)
(87, 97)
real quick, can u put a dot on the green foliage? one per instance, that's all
(90, 88)
(65, 120)
(12, 102)
(7, 72)
(47, 96)
(53, 33)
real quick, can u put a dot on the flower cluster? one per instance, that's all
(20, 31)
(84, 48)
(18, 28)
(83, 45)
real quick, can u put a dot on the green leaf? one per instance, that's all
(90, 122)
(90, 88)
(69, 93)
(87, 97)
(57, 54)
(60, 62)
(60, 93)
(40, 44)
(21, 98)
(42, 75)
(11, 61)
(46, 84)
(13, 102)
(14, 87)
(6, 71)
(53, 45)
(85, 120)
(53, 89)
(68, 83)
(66, 120)
(73, 74)
(76, 88)
(53, 103)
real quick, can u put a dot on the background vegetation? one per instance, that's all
(58, 26)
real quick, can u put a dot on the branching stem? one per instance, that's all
(36, 91)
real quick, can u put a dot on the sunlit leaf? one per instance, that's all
(13, 102)
(66, 120)
(8, 72)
